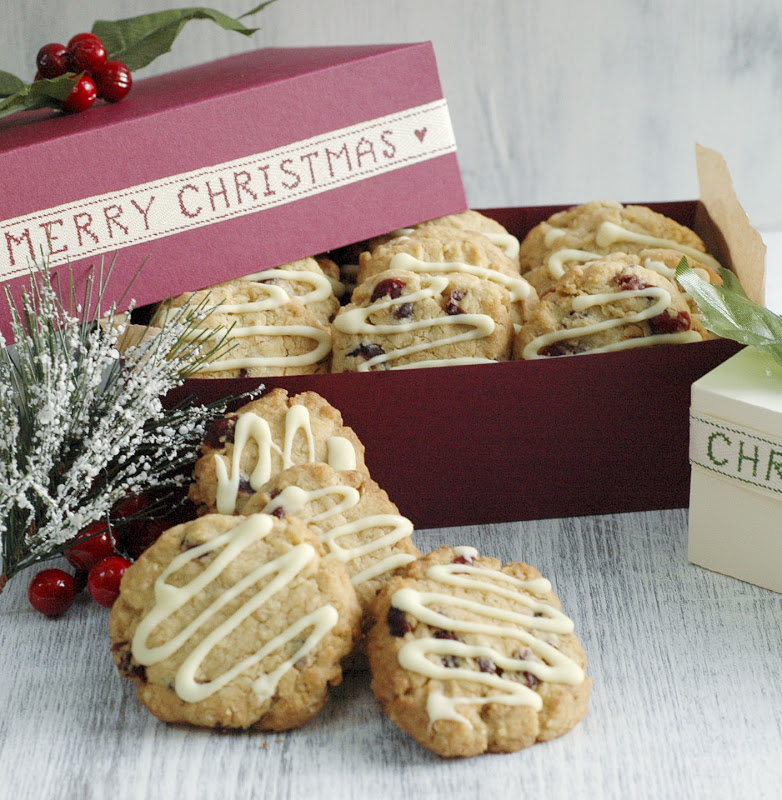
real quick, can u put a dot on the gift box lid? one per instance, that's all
(745, 390)
(225, 168)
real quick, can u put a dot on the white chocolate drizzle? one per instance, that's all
(356, 321)
(557, 260)
(518, 287)
(293, 498)
(535, 656)
(274, 576)
(276, 297)
(507, 242)
(251, 426)
(610, 233)
(552, 234)
(322, 287)
(662, 299)
(661, 268)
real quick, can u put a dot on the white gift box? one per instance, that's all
(735, 524)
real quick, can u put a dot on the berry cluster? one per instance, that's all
(85, 53)
(95, 557)
(97, 566)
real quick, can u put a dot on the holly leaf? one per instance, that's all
(10, 84)
(728, 312)
(138, 41)
(46, 93)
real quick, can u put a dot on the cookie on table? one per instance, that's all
(355, 519)
(245, 449)
(399, 319)
(315, 282)
(608, 305)
(235, 622)
(470, 656)
(447, 250)
(593, 230)
(269, 331)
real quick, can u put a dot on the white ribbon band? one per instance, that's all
(750, 458)
(247, 185)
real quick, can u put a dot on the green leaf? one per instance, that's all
(138, 41)
(728, 312)
(46, 93)
(10, 84)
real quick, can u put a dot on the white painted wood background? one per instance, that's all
(686, 706)
(553, 102)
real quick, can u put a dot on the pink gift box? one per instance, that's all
(229, 167)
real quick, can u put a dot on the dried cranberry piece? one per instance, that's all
(629, 282)
(245, 487)
(390, 286)
(452, 306)
(487, 665)
(529, 680)
(220, 432)
(398, 624)
(367, 351)
(464, 559)
(561, 349)
(278, 512)
(125, 665)
(405, 311)
(668, 322)
(448, 660)
(441, 633)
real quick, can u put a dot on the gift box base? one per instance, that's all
(571, 436)
(557, 437)
(735, 531)
(736, 457)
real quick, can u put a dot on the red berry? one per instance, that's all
(130, 505)
(105, 578)
(93, 544)
(52, 592)
(139, 534)
(82, 96)
(52, 60)
(81, 37)
(113, 81)
(87, 55)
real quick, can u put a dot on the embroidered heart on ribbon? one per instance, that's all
(420, 133)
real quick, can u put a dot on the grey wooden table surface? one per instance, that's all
(687, 700)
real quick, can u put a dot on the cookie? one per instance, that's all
(665, 261)
(268, 331)
(314, 282)
(608, 305)
(235, 622)
(470, 656)
(592, 231)
(447, 250)
(470, 220)
(245, 449)
(400, 319)
(355, 519)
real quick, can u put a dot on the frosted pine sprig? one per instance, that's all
(81, 428)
